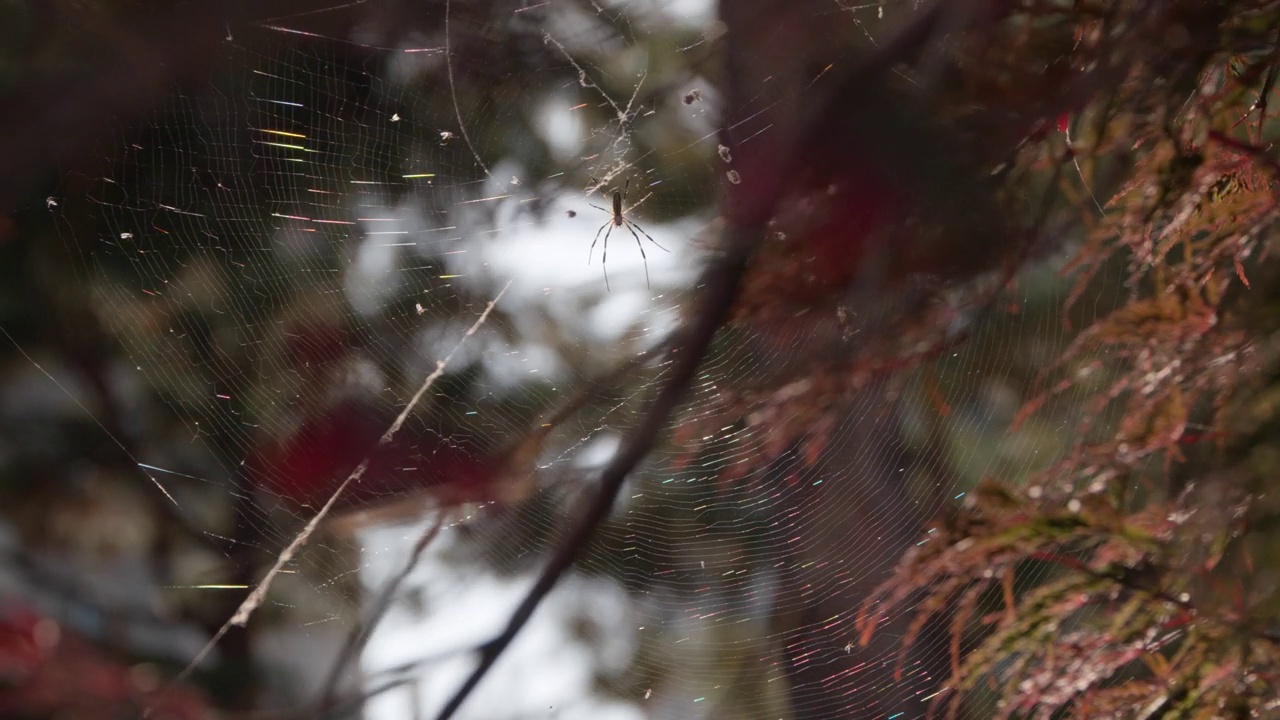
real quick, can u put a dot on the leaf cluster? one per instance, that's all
(1129, 579)
(1063, 601)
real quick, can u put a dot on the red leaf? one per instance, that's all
(307, 467)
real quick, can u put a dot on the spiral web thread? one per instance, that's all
(319, 182)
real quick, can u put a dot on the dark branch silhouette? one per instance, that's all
(720, 287)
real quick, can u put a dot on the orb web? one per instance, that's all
(288, 249)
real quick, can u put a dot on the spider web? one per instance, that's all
(303, 238)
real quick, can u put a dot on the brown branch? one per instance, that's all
(1126, 578)
(360, 634)
(524, 452)
(526, 449)
(720, 283)
(1255, 152)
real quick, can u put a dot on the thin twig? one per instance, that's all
(1255, 152)
(589, 392)
(344, 706)
(360, 634)
(1127, 579)
(259, 592)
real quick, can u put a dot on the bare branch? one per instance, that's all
(720, 284)
(259, 593)
(360, 634)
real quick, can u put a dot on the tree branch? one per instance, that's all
(359, 636)
(720, 283)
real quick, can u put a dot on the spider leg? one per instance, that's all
(593, 242)
(601, 209)
(655, 242)
(604, 255)
(643, 257)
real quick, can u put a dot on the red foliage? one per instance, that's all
(859, 205)
(308, 466)
(47, 671)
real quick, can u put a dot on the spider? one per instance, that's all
(619, 219)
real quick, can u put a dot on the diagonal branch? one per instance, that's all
(259, 593)
(720, 283)
(359, 636)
